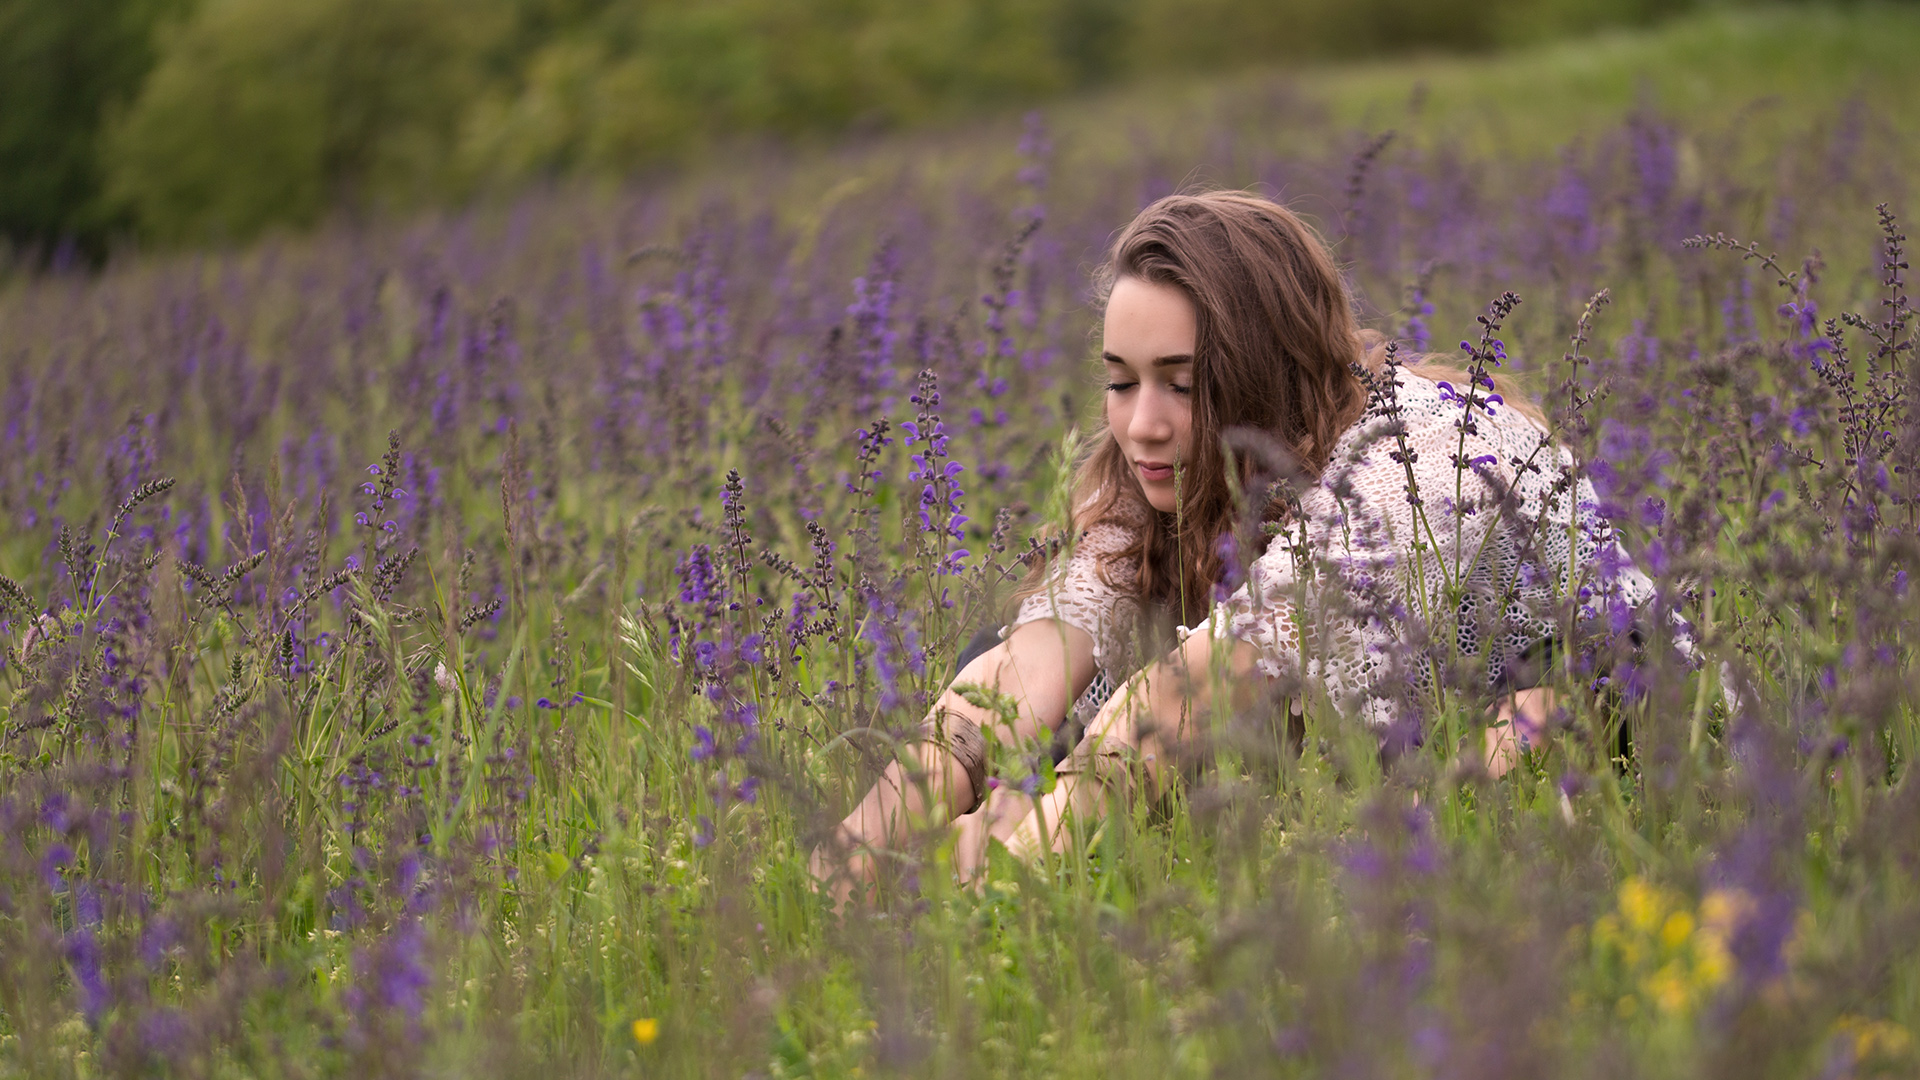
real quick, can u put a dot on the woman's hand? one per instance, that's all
(973, 834)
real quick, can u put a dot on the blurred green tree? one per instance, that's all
(65, 65)
(262, 112)
(640, 81)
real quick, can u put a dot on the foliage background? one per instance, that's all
(195, 120)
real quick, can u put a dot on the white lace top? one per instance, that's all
(1351, 596)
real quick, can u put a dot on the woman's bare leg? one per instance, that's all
(1150, 720)
(1037, 669)
(891, 807)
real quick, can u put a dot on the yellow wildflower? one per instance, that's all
(1642, 903)
(1676, 930)
(1712, 962)
(1667, 953)
(645, 1030)
(1874, 1040)
(1723, 910)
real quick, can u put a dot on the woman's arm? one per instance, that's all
(1161, 713)
(1041, 667)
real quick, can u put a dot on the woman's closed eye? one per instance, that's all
(1119, 387)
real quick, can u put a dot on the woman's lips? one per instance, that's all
(1154, 472)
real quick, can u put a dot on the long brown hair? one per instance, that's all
(1274, 347)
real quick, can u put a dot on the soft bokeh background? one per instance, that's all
(186, 121)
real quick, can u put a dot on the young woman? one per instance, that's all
(1224, 313)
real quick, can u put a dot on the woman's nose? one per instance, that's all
(1152, 419)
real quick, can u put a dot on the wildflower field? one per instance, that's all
(433, 647)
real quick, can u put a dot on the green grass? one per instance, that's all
(1786, 66)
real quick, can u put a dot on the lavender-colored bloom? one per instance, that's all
(703, 744)
(700, 583)
(391, 975)
(84, 960)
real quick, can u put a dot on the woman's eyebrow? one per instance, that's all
(1165, 361)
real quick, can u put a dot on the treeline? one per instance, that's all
(193, 120)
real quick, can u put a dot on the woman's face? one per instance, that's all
(1148, 349)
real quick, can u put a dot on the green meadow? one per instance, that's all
(497, 746)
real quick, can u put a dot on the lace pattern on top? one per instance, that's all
(1347, 598)
(1088, 705)
(1079, 591)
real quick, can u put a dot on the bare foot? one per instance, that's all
(1519, 724)
(974, 833)
(841, 876)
